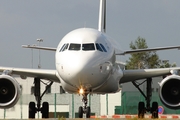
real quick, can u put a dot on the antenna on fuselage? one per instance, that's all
(102, 16)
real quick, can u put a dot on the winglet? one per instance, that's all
(102, 16)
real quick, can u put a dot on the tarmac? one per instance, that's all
(114, 117)
(97, 119)
(147, 116)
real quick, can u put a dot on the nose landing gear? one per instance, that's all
(84, 109)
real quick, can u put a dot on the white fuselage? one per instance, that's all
(85, 58)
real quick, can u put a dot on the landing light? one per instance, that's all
(81, 91)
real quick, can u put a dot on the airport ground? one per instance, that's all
(135, 118)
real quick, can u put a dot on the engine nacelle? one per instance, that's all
(169, 91)
(9, 91)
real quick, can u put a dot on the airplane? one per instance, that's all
(86, 63)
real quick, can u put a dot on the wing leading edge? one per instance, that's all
(39, 47)
(51, 75)
(148, 49)
(132, 75)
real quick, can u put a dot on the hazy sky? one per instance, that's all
(23, 21)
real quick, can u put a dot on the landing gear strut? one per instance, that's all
(84, 109)
(37, 93)
(141, 106)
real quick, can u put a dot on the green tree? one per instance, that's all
(166, 64)
(145, 59)
(142, 60)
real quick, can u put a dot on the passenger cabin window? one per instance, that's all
(98, 47)
(88, 47)
(74, 46)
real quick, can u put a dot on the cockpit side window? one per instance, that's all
(74, 46)
(87, 47)
(98, 47)
(103, 47)
(64, 47)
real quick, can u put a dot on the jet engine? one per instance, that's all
(9, 91)
(170, 91)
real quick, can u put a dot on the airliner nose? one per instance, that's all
(82, 70)
(79, 67)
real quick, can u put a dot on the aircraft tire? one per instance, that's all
(88, 112)
(32, 110)
(154, 110)
(80, 112)
(45, 110)
(141, 110)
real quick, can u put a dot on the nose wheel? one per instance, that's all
(84, 109)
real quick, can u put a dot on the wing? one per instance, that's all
(148, 49)
(39, 47)
(51, 75)
(132, 75)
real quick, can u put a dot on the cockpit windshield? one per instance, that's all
(74, 46)
(87, 47)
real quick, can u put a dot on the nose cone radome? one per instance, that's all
(82, 70)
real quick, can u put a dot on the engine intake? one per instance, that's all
(170, 91)
(9, 91)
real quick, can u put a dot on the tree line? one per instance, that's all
(145, 60)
